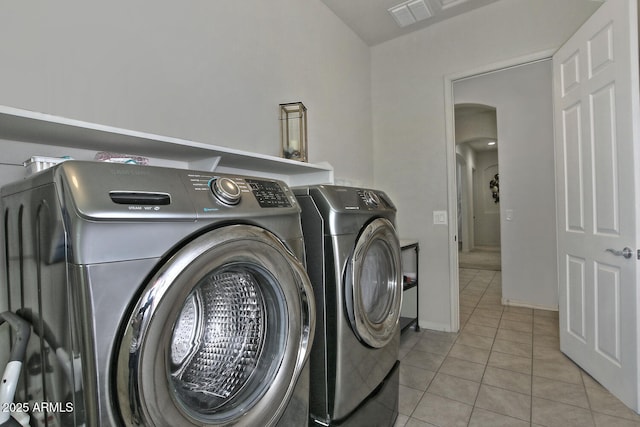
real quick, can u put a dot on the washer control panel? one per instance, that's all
(232, 191)
(269, 194)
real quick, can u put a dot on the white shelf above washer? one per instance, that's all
(60, 136)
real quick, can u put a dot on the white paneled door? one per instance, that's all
(597, 114)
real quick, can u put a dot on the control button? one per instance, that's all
(371, 199)
(226, 190)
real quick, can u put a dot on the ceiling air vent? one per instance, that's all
(410, 12)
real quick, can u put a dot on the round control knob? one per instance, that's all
(226, 191)
(371, 199)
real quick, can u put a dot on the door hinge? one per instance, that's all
(638, 252)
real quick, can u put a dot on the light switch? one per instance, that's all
(440, 217)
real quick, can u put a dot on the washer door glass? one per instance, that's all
(374, 288)
(220, 333)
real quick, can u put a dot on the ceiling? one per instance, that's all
(371, 20)
(480, 118)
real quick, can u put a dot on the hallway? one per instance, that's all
(480, 258)
(504, 368)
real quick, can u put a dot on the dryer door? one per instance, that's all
(373, 293)
(219, 335)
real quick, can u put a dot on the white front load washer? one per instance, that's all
(159, 297)
(353, 261)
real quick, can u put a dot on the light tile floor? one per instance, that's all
(504, 368)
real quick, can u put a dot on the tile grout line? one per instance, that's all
(473, 407)
(487, 366)
(437, 371)
(584, 386)
(533, 320)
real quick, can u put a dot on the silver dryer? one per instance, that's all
(353, 261)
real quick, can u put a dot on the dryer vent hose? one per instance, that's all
(11, 374)
(40, 328)
(72, 366)
(22, 330)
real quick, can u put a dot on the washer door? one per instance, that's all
(373, 293)
(219, 336)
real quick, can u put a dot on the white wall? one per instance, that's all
(410, 152)
(524, 107)
(486, 211)
(210, 71)
(467, 160)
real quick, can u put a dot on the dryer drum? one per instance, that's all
(377, 290)
(219, 336)
(373, 286)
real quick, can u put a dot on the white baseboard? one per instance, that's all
(435, 326)
(516, 303)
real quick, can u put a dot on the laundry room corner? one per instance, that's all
(409, 124)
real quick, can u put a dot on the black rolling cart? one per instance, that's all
(410, 251)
